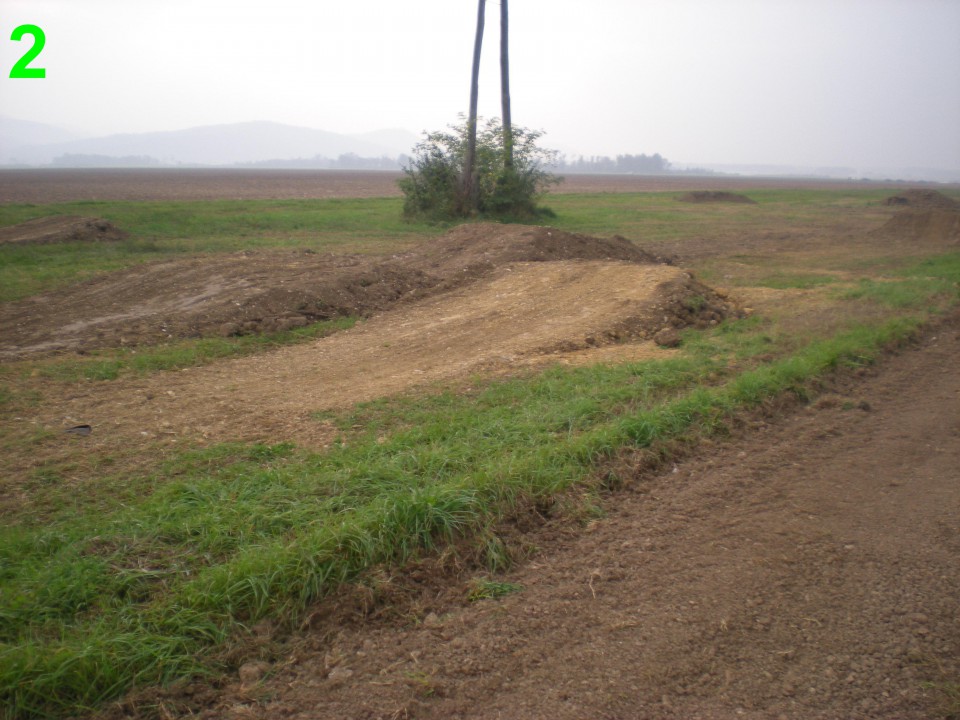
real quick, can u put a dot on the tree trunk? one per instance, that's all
(469, 170)
(505, 88)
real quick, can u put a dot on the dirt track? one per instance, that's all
(807, 569)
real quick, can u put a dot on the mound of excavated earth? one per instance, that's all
(512, 297)
(935, 226)
(715, 196)
(61, 228)
(923, 200)
(252, 292)
(520, 315)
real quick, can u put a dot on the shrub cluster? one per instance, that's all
(433, 182)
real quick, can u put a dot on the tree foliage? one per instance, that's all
(432, 182)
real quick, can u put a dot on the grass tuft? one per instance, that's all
(486, 589)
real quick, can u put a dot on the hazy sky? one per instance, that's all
(859, 83)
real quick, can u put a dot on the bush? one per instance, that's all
(433, 185)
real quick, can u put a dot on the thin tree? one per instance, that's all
(469, 163)
(505, 88)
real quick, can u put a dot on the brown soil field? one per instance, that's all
(804, 568)
(47, 186)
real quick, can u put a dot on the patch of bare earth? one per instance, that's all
(805, 569)
(60, 228)
(715, 196)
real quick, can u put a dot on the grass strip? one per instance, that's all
(94, 606)
(112, 364)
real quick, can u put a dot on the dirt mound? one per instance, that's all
(521, 315)
(713, 196)
(939, 226)
(61, 228)
(923, 200)
(253, 292)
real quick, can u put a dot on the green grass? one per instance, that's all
(652, 218)
(487, 589)
(921, 285)
(798, 281)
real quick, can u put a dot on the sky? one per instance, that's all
(813, 83)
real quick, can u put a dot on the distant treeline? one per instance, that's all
(620, 164)
(640, 164)
(347, 161)
(105, 161)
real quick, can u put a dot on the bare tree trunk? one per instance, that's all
(505, 88)
(469, 170)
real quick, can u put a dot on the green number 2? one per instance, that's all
(20, 70)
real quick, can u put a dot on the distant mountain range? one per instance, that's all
(275, 145)
(248, 143)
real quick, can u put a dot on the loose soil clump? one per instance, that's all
(715, 196)
(255, 292)
(61, 228)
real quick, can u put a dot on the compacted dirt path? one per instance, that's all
(806, 569)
